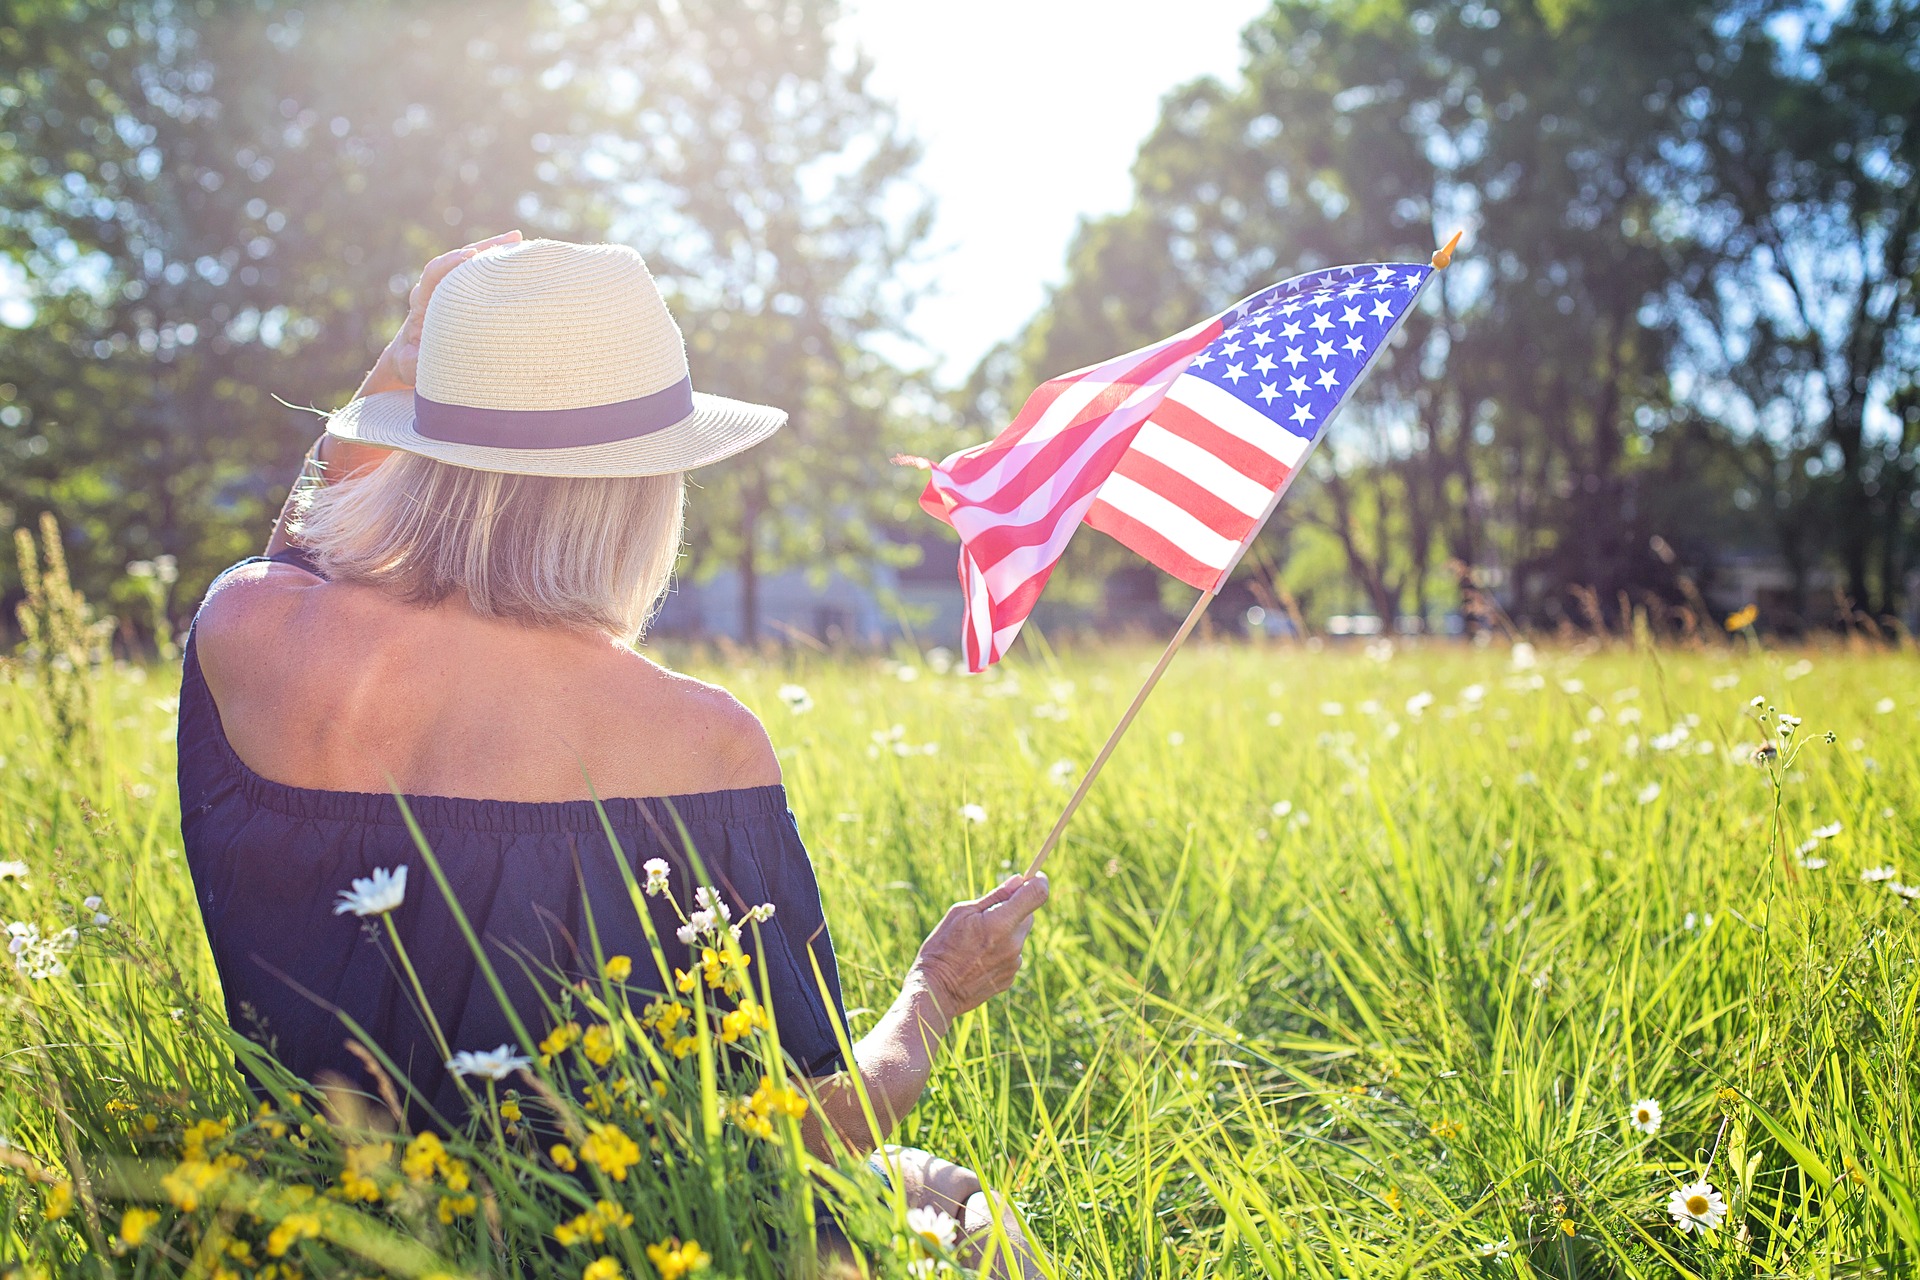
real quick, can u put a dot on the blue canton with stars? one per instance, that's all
(1292, 352)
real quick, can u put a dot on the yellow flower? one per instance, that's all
(59, 1201)
(188, 1183)
(193, 1145)
(562, 1156)
(1741, 619)
(619, 968)
(1392, 1197)
(452, 1207)
(598, 1045)
(269, 1122)
(593, 1225)
(685, 981)
(739, 1022)
(363, 1162)
(613, 1151)
(559, 1039)
(424, 1155)
(134, 1225)
(510, 1111)
(1566, 1226)
(673, 1259)
(601, 1269)
(292, 1229)
(755, 1113)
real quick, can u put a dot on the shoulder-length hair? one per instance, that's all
(585, 553)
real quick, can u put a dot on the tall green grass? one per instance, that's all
(1355, 963)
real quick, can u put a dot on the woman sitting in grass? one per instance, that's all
(445, 614)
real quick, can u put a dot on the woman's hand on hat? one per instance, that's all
(973, 954)
(398, 364)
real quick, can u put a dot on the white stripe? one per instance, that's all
(1203, 467)
(1005, 575)
(1234, 416)
(1168, 519)
(1058, 417)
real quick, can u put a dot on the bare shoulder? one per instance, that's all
(724, 737)
(249, 608)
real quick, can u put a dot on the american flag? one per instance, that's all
(1179, 450)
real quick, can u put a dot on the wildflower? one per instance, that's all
(494, 1064)
(374, 895)
(1060, 772)
(290, 1230)
(760, 914)
(1649, 793)
(187, 1183)
(798, 700)
(755, 1113)
(1727, 1097)
(1766, 753)
(1418, 703)
(690, 932)
(1446, 1129)
(613, 1151)
(1645, 1116)
(710, 901)
(363, 1162)
(1741, 619)
(1910, 892)
(451, 1207)
(656, 869)
(593, 1225)
(740, 1022)
(1281, 808)
(1827, 832)
(1332, 709)
(562, 1156)
(559, 1040)
(1693, 921)
(598, 1045)
(1566, 1226)
(1884, 706)
(135, 1223)
(59, 1201)
(424, 1155)
(1873, 875)
(934, 1227)
(672, 1259)
(13, 870)
(973, 813)
(1697, 1207)
(1500, 1248)
(618, 968)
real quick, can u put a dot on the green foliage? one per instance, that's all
(220, 203)
(1354, 966)
(62, 645)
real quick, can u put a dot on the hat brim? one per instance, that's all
(717, 428)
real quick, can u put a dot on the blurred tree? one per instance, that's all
(219, 202)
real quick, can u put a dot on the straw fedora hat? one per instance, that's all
(552, 359)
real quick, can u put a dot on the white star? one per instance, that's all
(1264, 364)
(1289, 309)
(1327, 379)
(1234, 373)
(1382, 309)
(1323, 350)
(1354, 344)
(1267, 393)
(1261, 340)
(1296, 385)
(1231, 350)
(1320, 323)
(1413, 279)
(1290, 330)
(1351, 291)
(1202, 360)
(1293, 357)
(1301, 413)
(1382, 274)
(1350, 316)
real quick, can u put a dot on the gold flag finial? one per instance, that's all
(1444, 254)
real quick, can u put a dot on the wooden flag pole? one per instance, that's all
(1439, 261)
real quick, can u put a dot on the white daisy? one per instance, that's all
(1645, 1116)
(934, 1226)
(686, 933)
(374, 895)
(711, 902)
(1908, 891)
(1061, 772)
(976, 814)
(1649, 793)
(494, 1064)
(1827, 832)
(1697, 1207)
(1873, 875)
(656, 869)
(13, 870)
(1500, 1248)
(798, 700)
(91, 902)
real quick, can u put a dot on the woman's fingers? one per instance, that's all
(1026, 897)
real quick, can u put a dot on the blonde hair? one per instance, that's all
(589, 553)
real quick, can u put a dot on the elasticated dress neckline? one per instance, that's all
(269, 861)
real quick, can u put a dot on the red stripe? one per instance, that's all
(1183, 491)
(1249, 460)
(994, 543)
(1150, 546)
(1052, 455)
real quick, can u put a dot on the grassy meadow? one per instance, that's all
(1357, 963)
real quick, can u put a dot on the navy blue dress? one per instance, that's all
(269, 861)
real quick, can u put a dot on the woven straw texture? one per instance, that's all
(545, 325)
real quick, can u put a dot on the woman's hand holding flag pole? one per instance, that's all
(1181, 451)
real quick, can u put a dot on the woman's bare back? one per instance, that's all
(342, 688)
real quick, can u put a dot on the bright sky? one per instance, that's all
(1030, 112)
